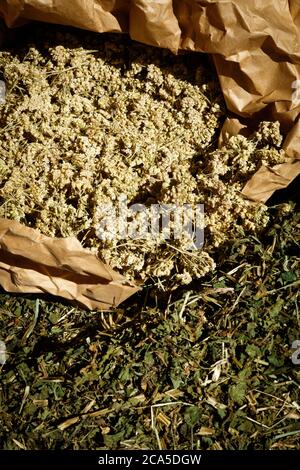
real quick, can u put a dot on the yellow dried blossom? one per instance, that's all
(86, 122)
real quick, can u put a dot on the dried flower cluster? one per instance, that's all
(100, 116)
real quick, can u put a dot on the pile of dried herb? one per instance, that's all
(206, 368)
(90, 117)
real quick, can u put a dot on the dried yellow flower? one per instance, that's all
(79, 128)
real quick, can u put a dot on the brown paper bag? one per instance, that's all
(33, 263)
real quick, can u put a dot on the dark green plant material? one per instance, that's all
(207, 368)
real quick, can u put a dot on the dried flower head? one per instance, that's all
(83, 124)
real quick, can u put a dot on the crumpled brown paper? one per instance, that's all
(33, 263)
(254, 45)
